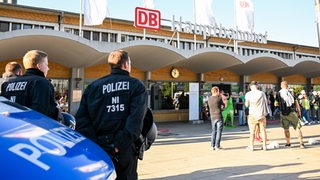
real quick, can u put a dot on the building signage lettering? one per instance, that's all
(147, 18)
(217, 31)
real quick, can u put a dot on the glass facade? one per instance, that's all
(61, 89)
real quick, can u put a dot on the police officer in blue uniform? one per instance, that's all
(32, 89)
(111, 113)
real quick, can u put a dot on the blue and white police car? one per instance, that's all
(33, 146)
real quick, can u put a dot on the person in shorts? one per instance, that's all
(257, 102)
(288, 107)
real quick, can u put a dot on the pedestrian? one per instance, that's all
(241, 109)
(313, 106)
(257, 136)
(111, 114)
(32, 89)
(305, 108)
(257, 102)
(316, 106)
(288, 107)
(271, 100)
(215, 105)
(12, 70)
(224, 96)
(201, 108)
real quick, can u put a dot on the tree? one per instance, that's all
(297, 90)
(166, 89)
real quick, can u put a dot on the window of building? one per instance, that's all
(149, 38)
(169, 95)
(95, 36)
(182, 45)
(161, 40)
(16, 26)
(76, 32)
(27, 26)
(113, 37)
(104, 37)
(188, 46)
(4, 26)
(38, 27)
(131, 38)
(230, 48)
(173, 43)
(200, 45)
(68, 30)
(86, 34)
(244, 51)
(49, 27)
(123, 38)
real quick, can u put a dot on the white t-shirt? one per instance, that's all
(258, 104)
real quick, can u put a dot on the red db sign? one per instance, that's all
(147, 18)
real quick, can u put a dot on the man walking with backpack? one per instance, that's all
(288, 106)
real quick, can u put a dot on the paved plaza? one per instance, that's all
(181, 151)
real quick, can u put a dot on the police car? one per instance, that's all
(34, 146)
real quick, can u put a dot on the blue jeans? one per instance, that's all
(242, 117)
(306, 114)
(217, 126)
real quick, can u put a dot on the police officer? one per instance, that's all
(12, 70)
(111, 113)
(32, 89)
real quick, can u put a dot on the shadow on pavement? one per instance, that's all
(247, 172)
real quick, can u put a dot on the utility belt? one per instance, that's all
(106, 142)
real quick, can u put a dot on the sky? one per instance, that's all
(289, 21)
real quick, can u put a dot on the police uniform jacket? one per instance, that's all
(33, 90)
(114, 106)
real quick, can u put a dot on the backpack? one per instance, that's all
(285, 110)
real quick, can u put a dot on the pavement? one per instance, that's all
(182, 151)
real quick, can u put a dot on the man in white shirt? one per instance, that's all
(257, 102)
(288, 107)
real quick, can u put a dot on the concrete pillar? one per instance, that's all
(309, 85)
(277, 86)
(147, 78)
(201, 80)
(147, 83)
(242, 83)
(76, 89)
(246, 80)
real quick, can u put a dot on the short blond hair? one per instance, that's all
(117, 58)
(214, 89)
(32, 58)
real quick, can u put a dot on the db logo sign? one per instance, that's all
(147, 18)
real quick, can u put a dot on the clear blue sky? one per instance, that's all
(291, 21)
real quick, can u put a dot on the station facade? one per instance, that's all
(166, 60)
